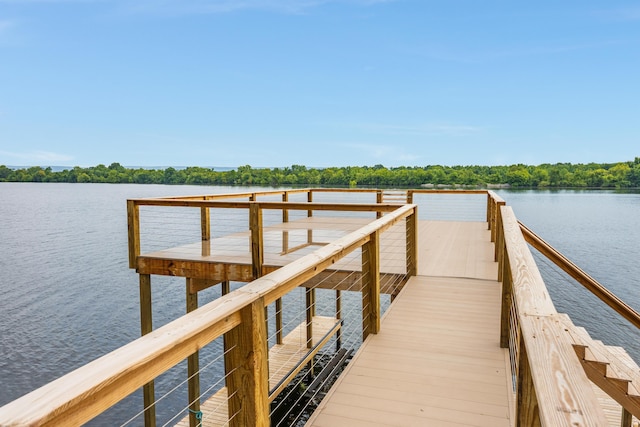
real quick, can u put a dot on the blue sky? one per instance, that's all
(318, 82)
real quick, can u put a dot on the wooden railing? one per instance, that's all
(551, 386)
(592, 285)
(240, 315)
(630, 404)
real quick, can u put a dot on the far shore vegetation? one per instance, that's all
(620, 175)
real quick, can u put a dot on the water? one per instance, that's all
(69, 297)
(600, 232)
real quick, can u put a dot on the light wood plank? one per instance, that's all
(419, 370)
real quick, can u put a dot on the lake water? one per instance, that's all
(69, 297)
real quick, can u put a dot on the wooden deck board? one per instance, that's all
(445, 249)
(425, 367)
(456, 249)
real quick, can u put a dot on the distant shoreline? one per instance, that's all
(621, 175)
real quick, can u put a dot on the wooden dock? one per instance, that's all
(471, 337)
(437, 358)
(456, 362)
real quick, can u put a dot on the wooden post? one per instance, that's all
(507, 296)
(310, 301)
(193, 368)
(499, 233)
(247, 369)
(224, 290)
(309, 215)
(412, 243)
(133, 222)
(494, 229)
(489, 209)
(285, 218)
(146, 326)
(527, 411)
(409, 196)
(310, 296)
(279, 321)
(255, 224)
(627, 419)
(371, 286)
(285, 212)
(205, 224)
(379, 201)
(338, 317)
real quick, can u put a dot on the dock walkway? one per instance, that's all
(437, 360)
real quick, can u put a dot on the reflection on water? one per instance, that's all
(69, 297)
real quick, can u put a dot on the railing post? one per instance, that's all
(497, 220)
(527, 411)
(371, 286)
(255, 225)
(279, 321)
(489, 208)
(411, 226)
(133, 222)
(310, 301)
(205, 224)
(146, 326)
(285, 249)
(193, 368)
(247, 369)
(338, 317)
(499, 234)
(285, 218)
(379, 201)
(309, 215)
(507, 297)
(285, 212)
(627, 418)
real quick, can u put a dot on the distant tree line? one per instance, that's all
(559, 175)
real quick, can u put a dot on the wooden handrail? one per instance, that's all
(293, 274)
(591, 284)
(88, 391)
(553, 389)
(356, 207)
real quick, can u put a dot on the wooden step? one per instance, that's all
(607, 367)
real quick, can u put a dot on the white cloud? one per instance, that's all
(426, 129)
(631, 13)
(480, 55)
(225, 6)
(5, 26)
(389, 154)
(37, 156)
